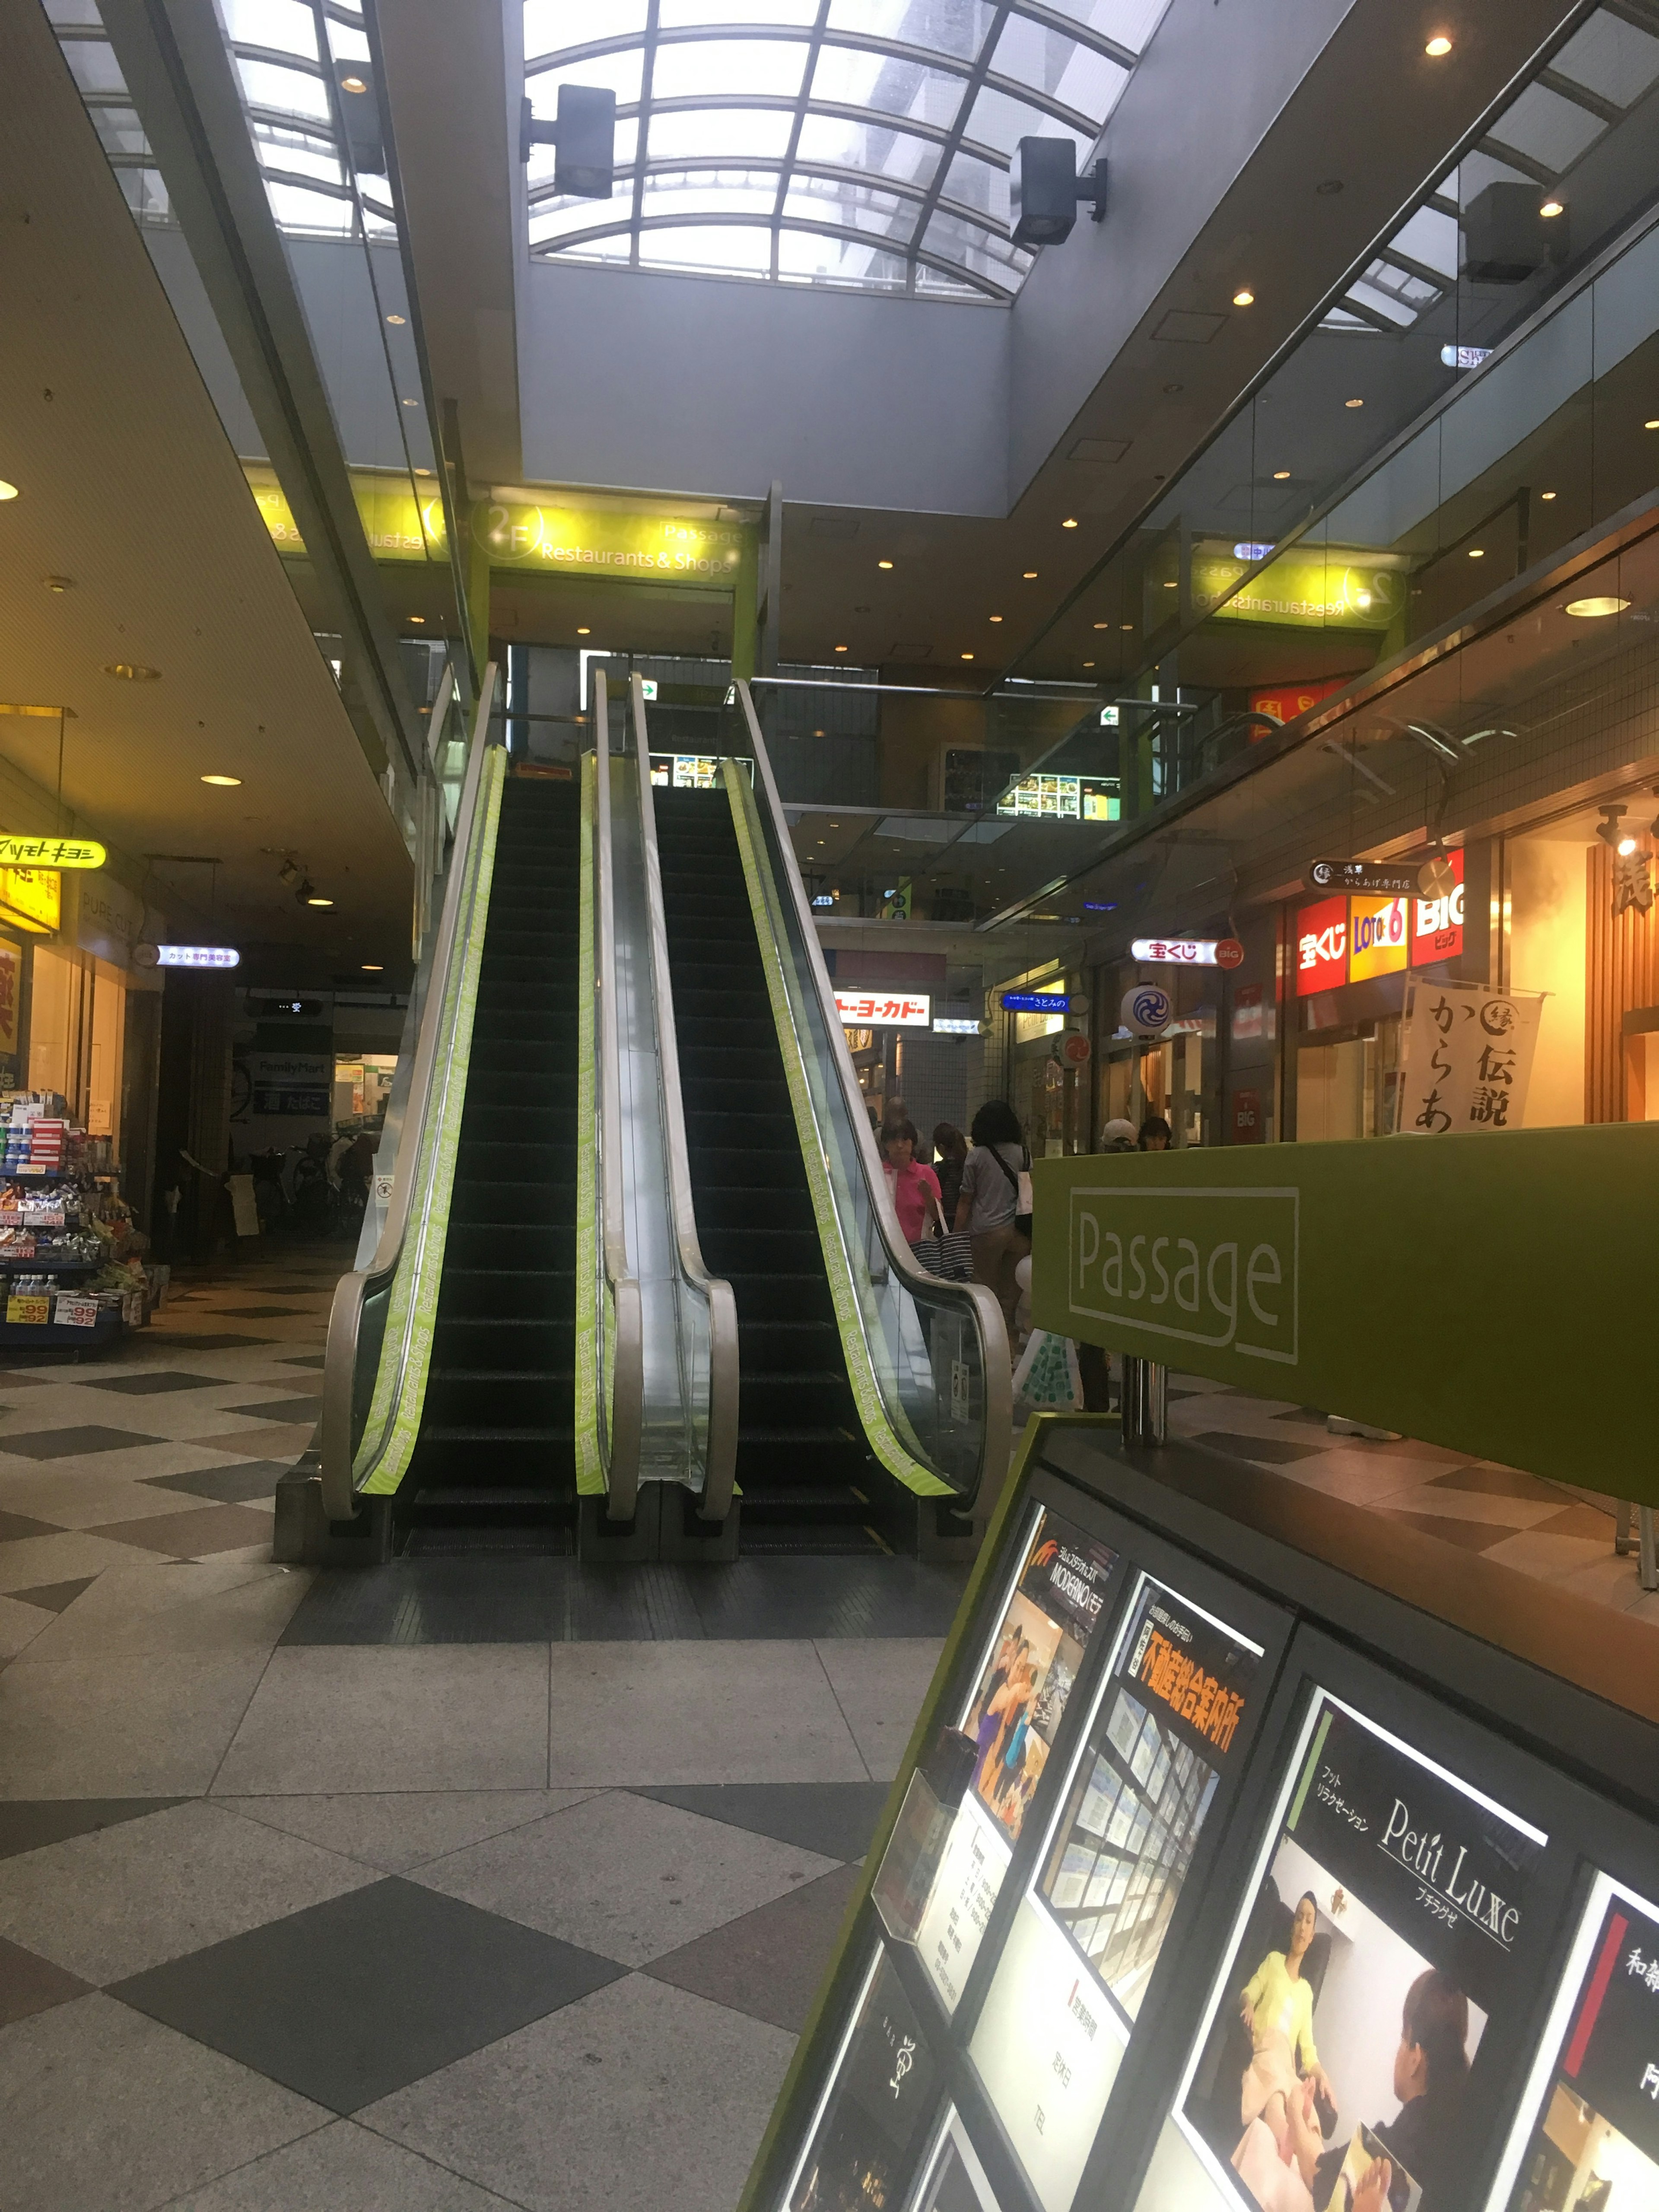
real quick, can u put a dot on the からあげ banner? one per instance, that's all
(1439, 1288)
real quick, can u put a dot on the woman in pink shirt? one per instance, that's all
(914, 1187)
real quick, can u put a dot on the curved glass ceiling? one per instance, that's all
(862, 144)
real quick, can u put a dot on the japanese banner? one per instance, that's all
(1465, 1057)
(898, 1010)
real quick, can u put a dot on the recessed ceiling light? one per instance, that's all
(583, 632)
(1353, 403)
(1088, 663)
(352, 84)
(1128, 625)
(1103, 625)
(1171, 587)
(395, 319)
(1029, 575)
(840, 648)
(1243, 299)
(1551, 209)
(58, 583)
(1602, 602)
(994, 617)
(1281, 475)
(884, 564)
(417, 618)
(411, 403)
(1070, 523)
(1477, 552)
(374, 968)
(966, 656)
(1437, 45)
(1652, 423)
(7, 491)
(1546, 494)
(225, 782)
(131, 672)
(422, 472)
(317, 899)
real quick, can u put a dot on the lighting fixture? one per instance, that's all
(1608, 828)
(411, 403)
(966, 656)
(318, 900)
(1626, 846)
(131, 672)
(1652, 423)
(224, 782)
(582, 630)
(1353, 403)
(397, 320)
(352, 84)
(1546, 494)
(422, 472)
(1171, 586)
(1551, 209)
(1437, 45)
(417, 618)
(1243, 299)
(58, 583)
(1477, 552)
(374, 968)
(1599, 603)
(884, 564)
(1103, 625)
(1128, 625)
(1029, 575)
(7, 491)
(1088, 663)
(1281, 475)
(993, 619)
(1070, 523)
(840, 648)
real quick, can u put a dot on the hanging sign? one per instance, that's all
(1430, 879)
(25, 852)
(1043, 1002)
(893, 1010)
(1465, 1057)
(185, 956)
(1376, 937)
(1322, 946)
(1075, 1048)
(1438, 920)
(1189, 951)
(1147, 1011)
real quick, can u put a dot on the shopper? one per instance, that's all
(950, 1157)
(914, 1185)
(989, 1200)
(1119, 1136)
(1156, 1134)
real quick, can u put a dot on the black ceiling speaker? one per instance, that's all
(584, 140)
(1044, 189)
(1508, 238)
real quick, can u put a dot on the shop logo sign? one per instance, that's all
(1219, 1268)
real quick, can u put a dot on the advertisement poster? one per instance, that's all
(1595, 2146)
(1027, 1677)
(1081, 1949)
(1382, 1938)
(873, 2128)
(1465, 1057)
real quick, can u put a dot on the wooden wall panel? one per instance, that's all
(1620, 974)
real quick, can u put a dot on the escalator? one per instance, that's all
(493, 1465)
(803, 1466)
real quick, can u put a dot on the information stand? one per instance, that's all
(1301, 1863)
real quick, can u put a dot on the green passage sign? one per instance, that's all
(1494, 1293)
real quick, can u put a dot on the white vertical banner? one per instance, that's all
(1466, 1056)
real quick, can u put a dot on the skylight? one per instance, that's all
(862, 144)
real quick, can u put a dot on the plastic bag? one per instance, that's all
(1047, 1376)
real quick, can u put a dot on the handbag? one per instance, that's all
(945, 1254)
(1022, 1187)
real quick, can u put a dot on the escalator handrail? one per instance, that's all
(622, 1462)
(336, 1451)
(721, 1464)
(932, 1289)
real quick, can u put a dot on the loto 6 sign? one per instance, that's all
(1183, 1267)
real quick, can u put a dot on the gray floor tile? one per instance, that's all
(29, 1825)
(30, 1983)
(1274, 1451)
(15, 1526)
(624, 1876)
(150, 1382)
(230, 1485)
(640, 2097)
(196, 1533)
(104, 2111)
(259, 1313)
(21, 1623)
(1468, 1536)
(696, 1712)
(72, 1443)
(280, 1409)
(171, 1604)
(835, 1818)
(341, 2168)
(260, 1440)
(1498, 1482)
(188, 1340)
(440, 1717)
(399, 1829)
(769, 1963)
(64, 1735)
(54, 1597)
(879, 1683)
(127, 1897)
(349, 2001)
(305, 1359)
(102, 1494)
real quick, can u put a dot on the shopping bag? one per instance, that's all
(949, 1255)
(1047, 1376)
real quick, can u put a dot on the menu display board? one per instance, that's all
(1081, 1950)
(1380, 1936)
(872, 2130)
(1024, 1682)
(1592, 2139)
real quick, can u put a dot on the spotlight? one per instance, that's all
(1608, 828)
(1437, 45)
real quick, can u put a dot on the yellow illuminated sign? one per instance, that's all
(29, 899)
(17, 852)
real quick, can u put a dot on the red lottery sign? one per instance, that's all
(1322, 946)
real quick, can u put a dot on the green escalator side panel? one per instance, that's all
(412, 1313)
(590, 1470)
(899, 1455)
(805, 2065)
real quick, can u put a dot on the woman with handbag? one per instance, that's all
(914, 1185)
(994, 1207)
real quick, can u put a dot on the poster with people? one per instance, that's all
(1594, 2147)
(1382, 1937)
(1031, 1665)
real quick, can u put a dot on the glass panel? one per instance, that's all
(896, 88)
(564, 218)
(1129, 22)
(981, 251)
(550, 26)
(1431, 239)
(813, 199)
(735, 250)
(541, 171)
(1001, 122)
(1550, 129)
(1612, 58)
(970, 183)
(805, 256)
(731, 131)
(283, 24)
(1049, 62)
(873, 148)
(673, 14)
(724, 65)
(621, 72)
(942, 27)
(292, 91)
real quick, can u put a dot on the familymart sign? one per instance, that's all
(1494, 1293)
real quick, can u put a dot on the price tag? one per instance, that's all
(34, 1313)
(73, 1312)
